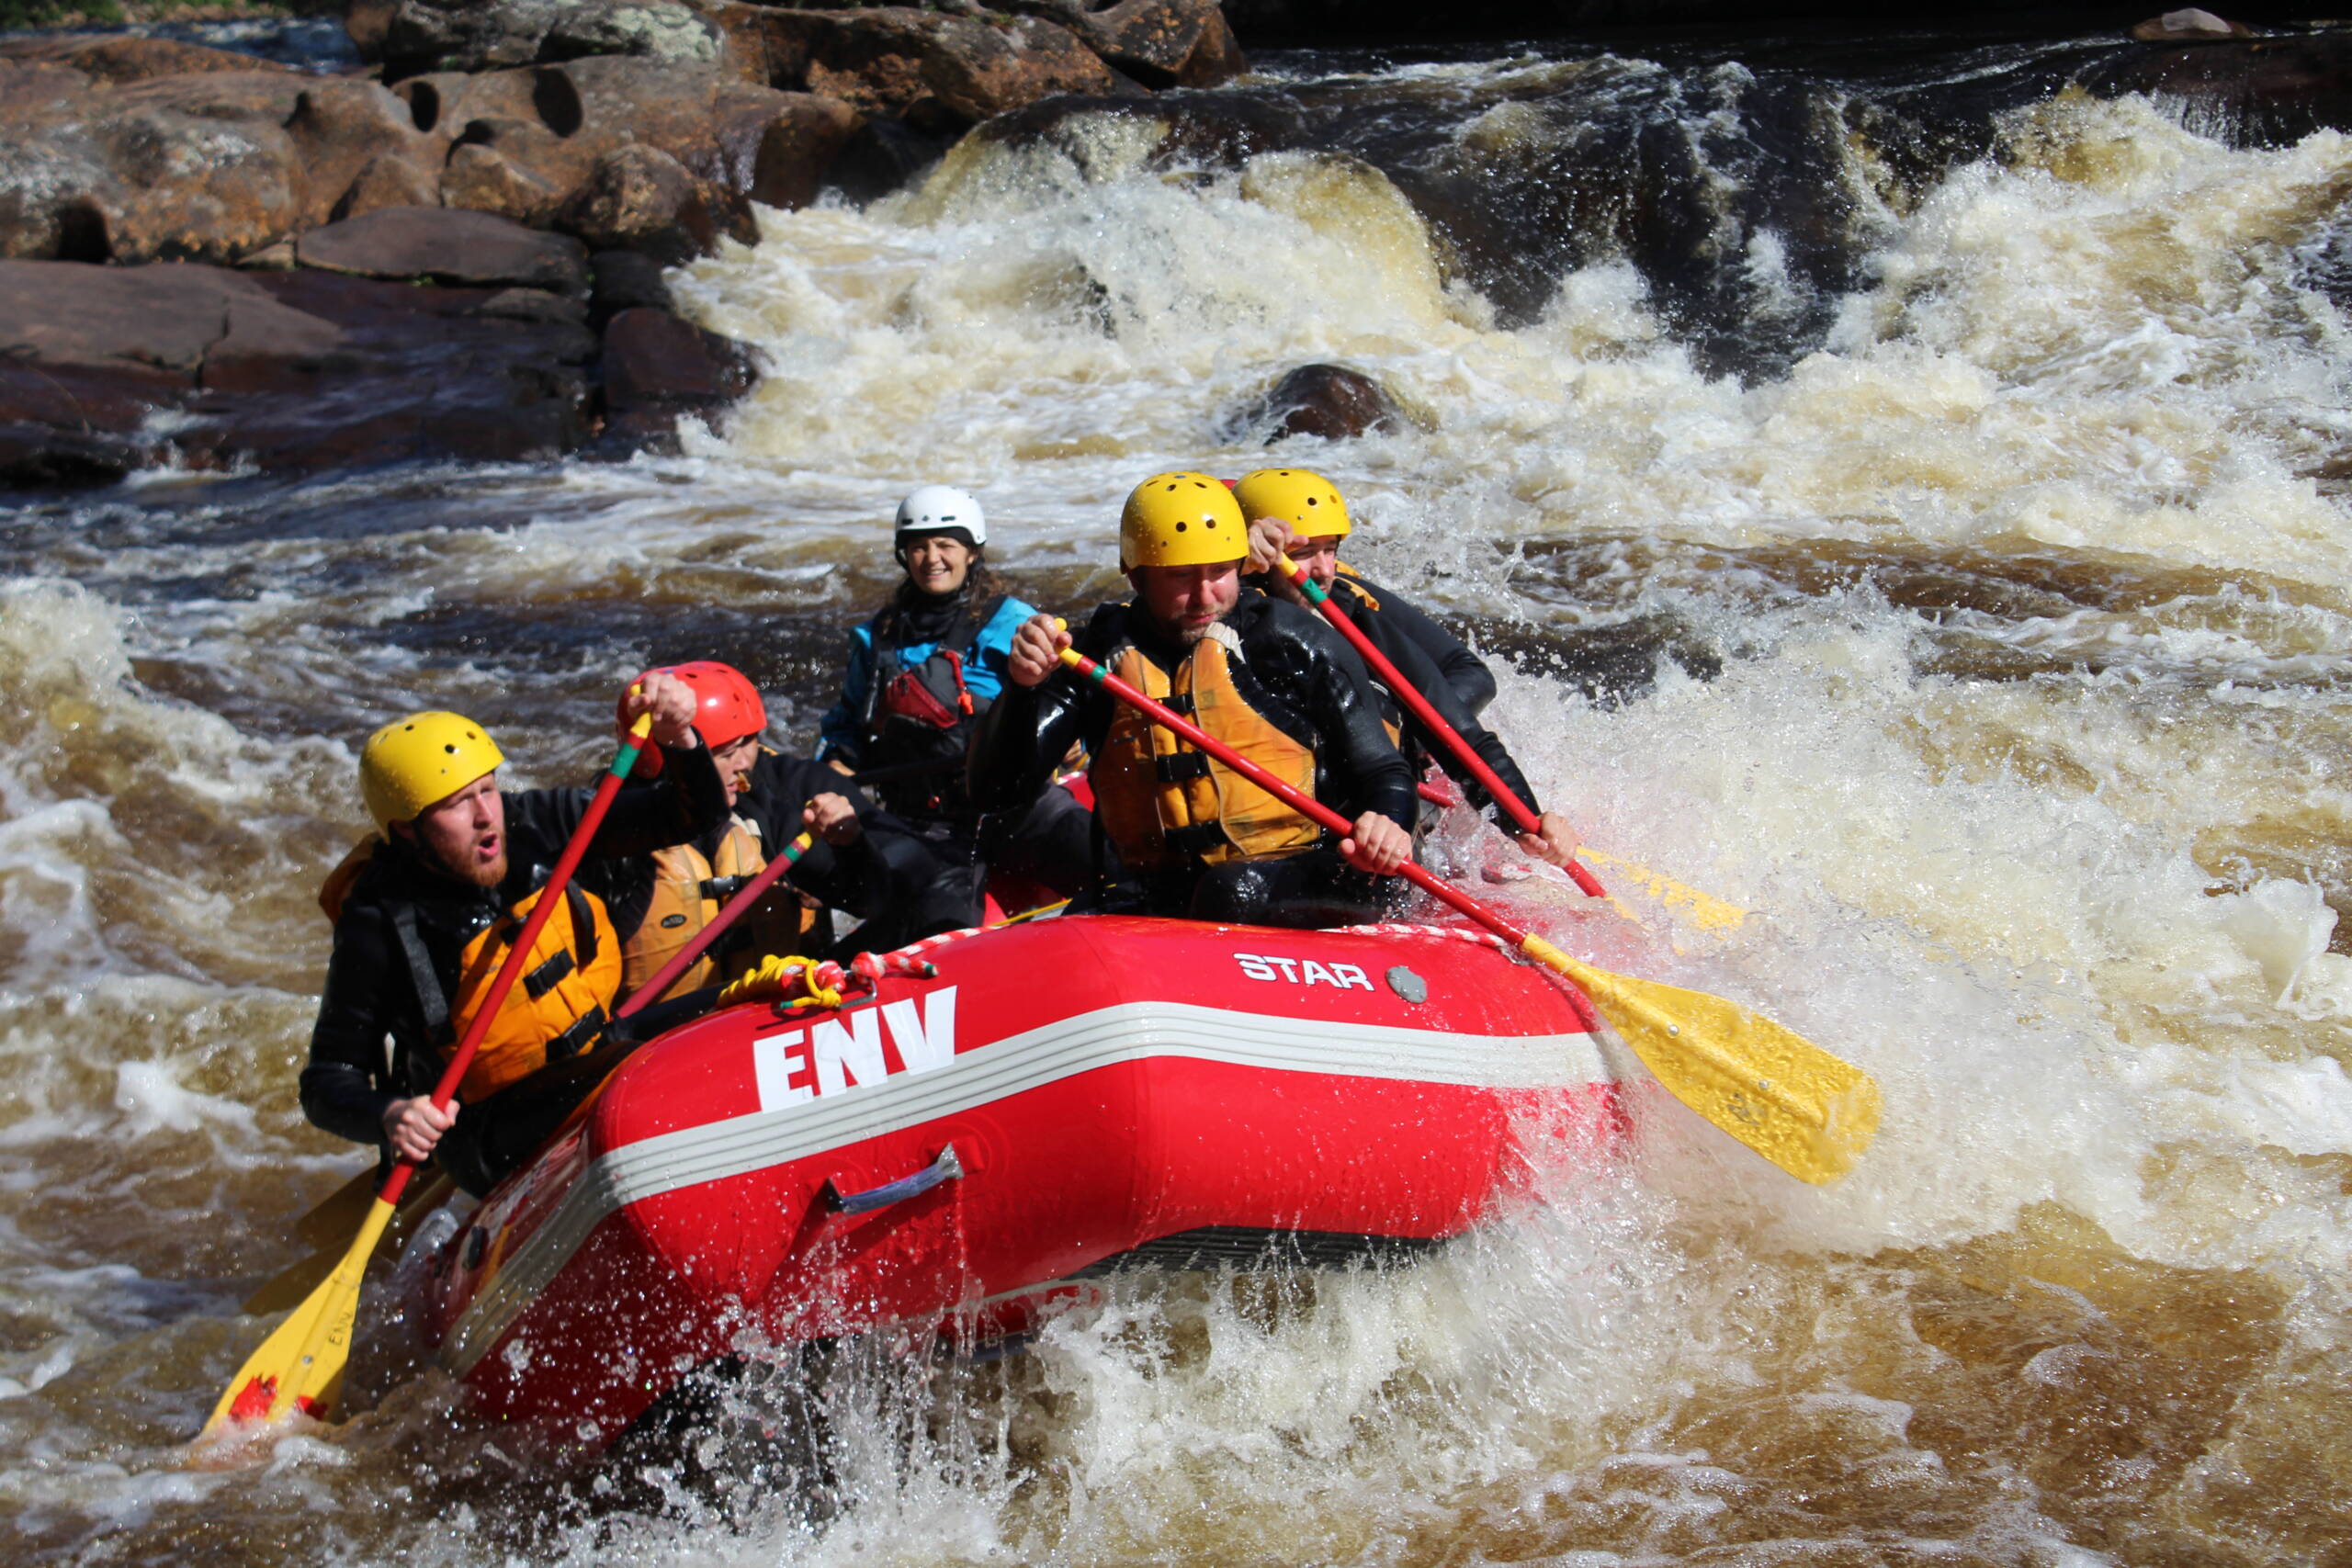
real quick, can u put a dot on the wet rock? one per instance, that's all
(656, 368)
(1329, 400)
(2265, 91)
(150, 319)
(883, 155)
(797, 149)
(533, 305)
(446, 246)
(2182, 27)
(412, 373)
(292, 370)
(625, 279)
(640, 198)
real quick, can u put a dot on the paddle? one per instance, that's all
(745, 896)
(1772, 1089)
(1419, 705)
(323, 1226)
(299, 1367)
(1707, 912)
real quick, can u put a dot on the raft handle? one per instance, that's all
(946, 1167)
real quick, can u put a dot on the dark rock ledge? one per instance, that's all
(212, 259)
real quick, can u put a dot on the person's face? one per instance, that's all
(465, 834)
(937, 563)
(1319, 556)
(1183, 602)
(734, 761)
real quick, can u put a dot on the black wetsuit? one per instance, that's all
(371, 1045)
(1306, 682)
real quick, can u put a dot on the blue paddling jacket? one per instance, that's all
(920, 673)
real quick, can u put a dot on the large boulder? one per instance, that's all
(798, 148)
(417, 36)
(640, 198)
(2261, 92)
(295, 370)
(196, 166)
(342, 128)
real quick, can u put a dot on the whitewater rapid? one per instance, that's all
(1992, 657)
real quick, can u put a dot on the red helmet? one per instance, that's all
(727, 707)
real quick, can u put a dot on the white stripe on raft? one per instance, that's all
(1133, 1032)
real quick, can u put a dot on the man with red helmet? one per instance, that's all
(661, 901)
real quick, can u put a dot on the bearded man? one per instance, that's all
(425, 913)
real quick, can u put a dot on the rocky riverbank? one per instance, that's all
(455, 251)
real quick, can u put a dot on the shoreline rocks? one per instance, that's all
(616, 126)
(406, 335)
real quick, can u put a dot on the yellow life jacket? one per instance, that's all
(688, 892)
(1161, 800)
(556, 1009)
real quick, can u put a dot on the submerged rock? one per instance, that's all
(1329, 400)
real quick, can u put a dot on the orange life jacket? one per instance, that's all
(1161, 800)
(559, 1006)
(688, 892)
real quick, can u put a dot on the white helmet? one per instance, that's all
(934, 508)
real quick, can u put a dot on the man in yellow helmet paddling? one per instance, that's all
(1266, 677)
(427, 921)
(1293, 512)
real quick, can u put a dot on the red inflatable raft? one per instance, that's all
(1050, 1102)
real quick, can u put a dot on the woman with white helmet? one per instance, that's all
(920, 673)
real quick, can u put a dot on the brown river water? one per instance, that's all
(1960, 582)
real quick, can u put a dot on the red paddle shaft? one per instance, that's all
(1430, 717)
(685, 956)
(1305, 804)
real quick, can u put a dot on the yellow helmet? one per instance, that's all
(1309, 503)
(1182, 519)
(413, 761)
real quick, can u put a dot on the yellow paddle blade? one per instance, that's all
(298, 1281)
(1707, 912)
(1766, 1085)
(300, 1366)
